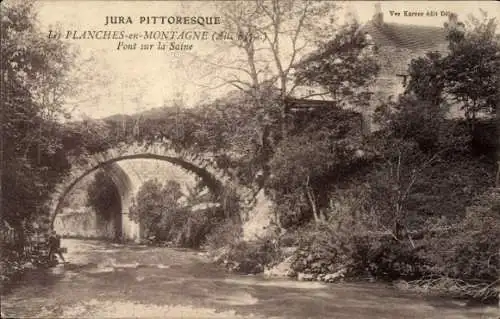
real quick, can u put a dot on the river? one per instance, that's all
(123, 281)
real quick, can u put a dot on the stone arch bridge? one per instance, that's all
(203, 165)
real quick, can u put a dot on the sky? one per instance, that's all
(135, 80)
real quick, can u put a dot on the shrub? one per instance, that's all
(164, 218)
(190, 228)
(470, 250)
(252, 257)
(223, 235)
(331, 245)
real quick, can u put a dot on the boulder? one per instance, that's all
(29, 265)
(305, 277)
(288, 251)
(281, 270)
(219, 255)
(335, 276)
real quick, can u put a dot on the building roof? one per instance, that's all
(305, 105)
(299, 106)
(407, 36)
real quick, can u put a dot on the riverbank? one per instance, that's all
(295, 264)
(100, 238)
(12, 267)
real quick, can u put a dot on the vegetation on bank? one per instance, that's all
(415, 201)
(36, 146)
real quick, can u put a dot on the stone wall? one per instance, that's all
(393, 61)
(84, 223)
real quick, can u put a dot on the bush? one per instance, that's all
(326, 251)
(223, 235)
(190, 228)
(461, 259)
(252, 257)
(470, 250)
(321, 251)
(329, 246)
(164, 218)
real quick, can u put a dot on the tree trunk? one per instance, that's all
(312, 203)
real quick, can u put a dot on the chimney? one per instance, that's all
(378, 17)
(452, 21)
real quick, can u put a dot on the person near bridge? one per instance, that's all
(55, 246)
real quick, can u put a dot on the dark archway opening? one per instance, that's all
(104, 197)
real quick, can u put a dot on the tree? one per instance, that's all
(322, 147)
(427, 80)
(307, 164)
(468, 75)
(156, 207)
(472, 68)
(266, 40)
(343, 67)
(34, 70)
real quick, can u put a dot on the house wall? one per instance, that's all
(388, 86)
(393, 61)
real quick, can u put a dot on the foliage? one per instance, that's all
(321, 149)
(468, 75)
(466, 251)
(427, 80)
(167, 215)
(258, 62)
(155, 207)
(343, 67)
(102, 195)
(224, 234)
(34, 72)
(88, 136)
(435, 160)
(472, 67)
(470, 251)
(227, 128)
(251, 257)
(323, 152)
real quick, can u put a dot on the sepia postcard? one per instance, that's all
(250, 159)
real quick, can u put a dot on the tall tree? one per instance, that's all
(473, 65)
(156, 206)
(264, 40)
(34, 70)
(468, 75)
(342, 67)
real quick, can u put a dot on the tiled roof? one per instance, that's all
(405, 35)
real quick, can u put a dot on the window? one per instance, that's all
(404, 79)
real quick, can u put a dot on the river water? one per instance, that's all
(104, 280)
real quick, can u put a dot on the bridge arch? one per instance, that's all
(203, 165)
